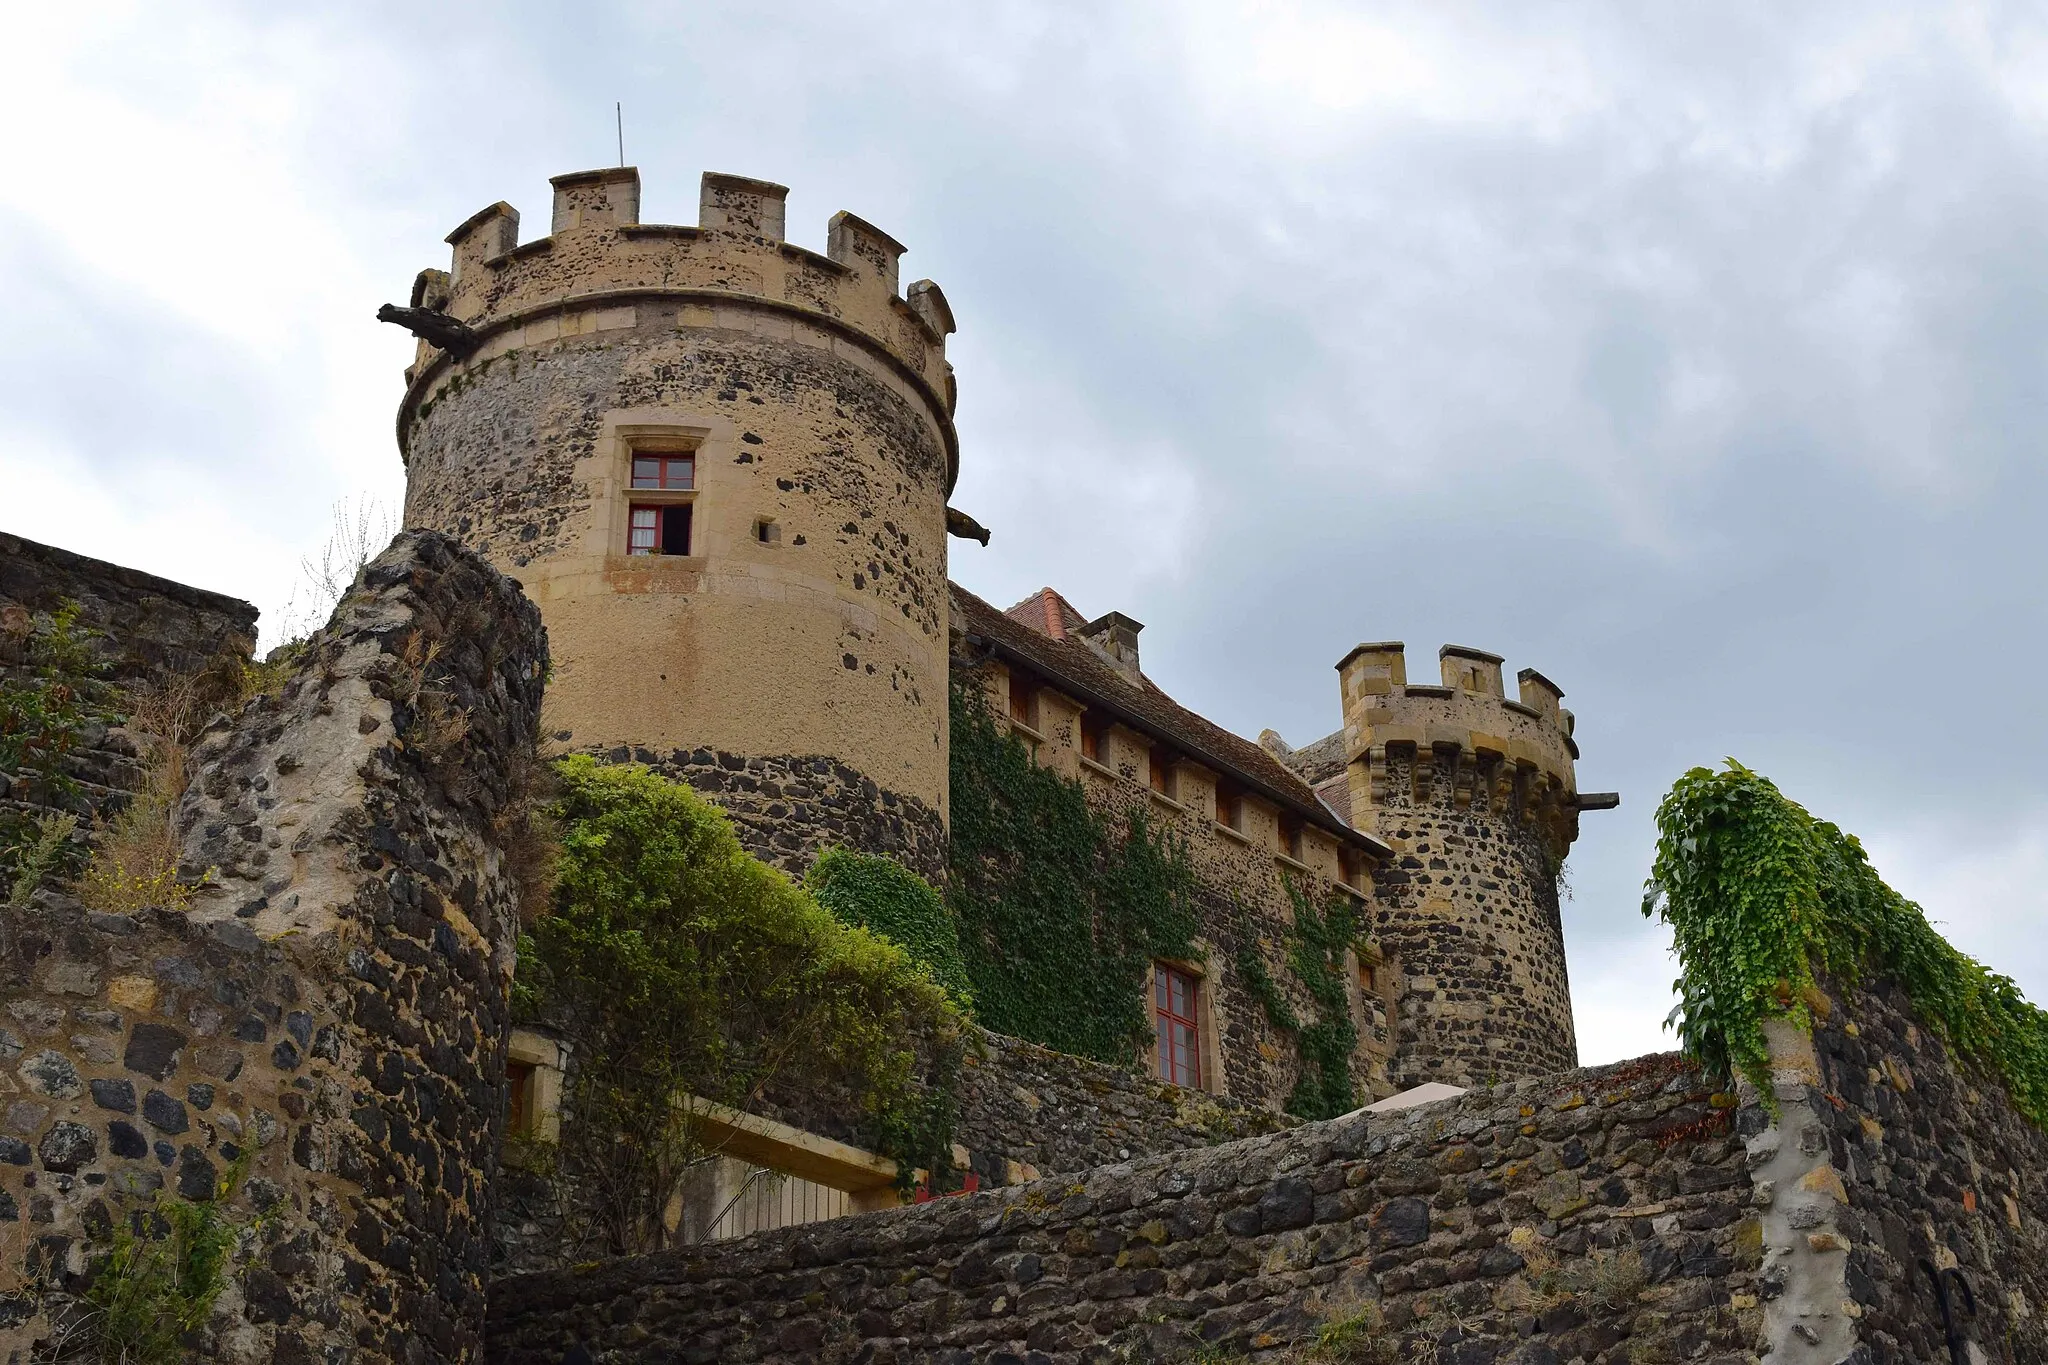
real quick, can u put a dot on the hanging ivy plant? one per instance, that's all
(1316, 945)
(1061, 907)
(1761, 897)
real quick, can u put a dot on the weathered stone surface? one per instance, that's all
(1245, 1246)
(379, 957)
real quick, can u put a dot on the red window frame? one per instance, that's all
(657, 531)
(1091, 738)
(658, 469)
(1176, 999)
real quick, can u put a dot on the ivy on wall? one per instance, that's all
(1761, 897)
(1061, 908)
(1316, 945)
(887, 898)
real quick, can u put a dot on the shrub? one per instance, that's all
(685, 970)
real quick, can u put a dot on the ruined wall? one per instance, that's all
(1476, 794)
(807, 624)
(1937, 1166)
(331, 1007)
(1601, 1215)
(150, 628)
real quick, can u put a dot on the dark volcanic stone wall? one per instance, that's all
(787, 809)
(1599, 1216)
(1025, 1112)
(1940, 1167)
(150, 628)
(1027, 1105)
(332, 1004)
(1468, 908)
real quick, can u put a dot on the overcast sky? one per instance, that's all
(1692, 355)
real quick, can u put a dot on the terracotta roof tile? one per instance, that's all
(1026, 633)
(1048, 613)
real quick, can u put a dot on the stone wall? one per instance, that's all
(1601, 1215)
(1937, 1166)
(1023, 1105)
(150, 628)
(1468, 911)
(787, 809)
(1025, 1112)
(331, 1008)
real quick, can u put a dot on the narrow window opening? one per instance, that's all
(1368, 979)
(1347, 866)
(1162, 770)
(1229, 807)
(521, 1112)
(1174, 997)
(1290, 837)
(1023, 700)
(766, 532)
(1092, 736)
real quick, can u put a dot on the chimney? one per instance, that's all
(1115, 638)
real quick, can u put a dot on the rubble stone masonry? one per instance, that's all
(331, 1008)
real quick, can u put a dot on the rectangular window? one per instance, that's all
(1229, 807)
(1162, 770)
(1023, 700)
(1092, 737)
(1368, 979)
(664, 471)
(1179, 1035)
(658, 530)
(1347, 865)
(1290, 837)
(521, 1117)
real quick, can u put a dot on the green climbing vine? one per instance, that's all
(1316, 945)
(1061, 908)
(1761, 897)
(884, 897)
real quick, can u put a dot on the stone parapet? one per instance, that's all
(600, 255)
(1507, 756)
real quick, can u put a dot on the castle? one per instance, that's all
(720, 464)
(718, 467)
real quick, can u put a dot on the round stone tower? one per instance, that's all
(1477, 797)
(719, 463)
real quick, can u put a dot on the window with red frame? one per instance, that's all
(1179, 1035)
(1093, 737)
(658, 530)
(664, 471)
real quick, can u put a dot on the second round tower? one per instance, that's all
(719, 463)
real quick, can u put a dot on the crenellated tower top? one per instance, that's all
(506, 294)
(1514, 754)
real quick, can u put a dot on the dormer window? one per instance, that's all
(1229, 807)
(1094, 737)
(1348, 870)
(1162, 770)
(1023, 700)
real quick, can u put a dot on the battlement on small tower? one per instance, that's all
(1516, 751)
(598, 255)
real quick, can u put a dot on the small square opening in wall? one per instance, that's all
(766, 531)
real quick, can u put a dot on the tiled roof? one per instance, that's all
(1048, 613)
(1025, 635)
